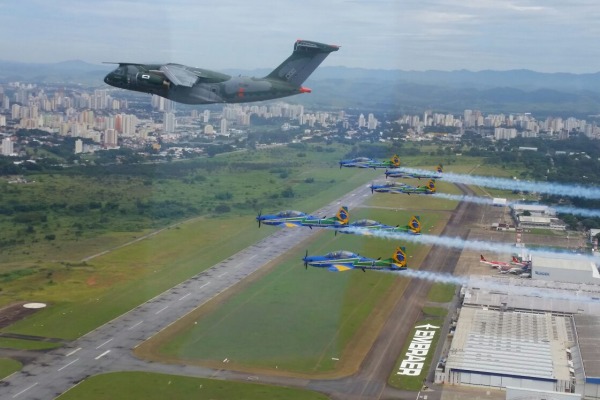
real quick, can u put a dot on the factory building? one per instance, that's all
(502, 349)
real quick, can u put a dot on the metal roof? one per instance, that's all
(588, 328)
(529, 345)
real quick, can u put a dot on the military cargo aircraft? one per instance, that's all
(343, 260)
(191, 85)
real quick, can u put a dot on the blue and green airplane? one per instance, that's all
(343, 260)
(367, 226)
(396, 173)
(365, 162)
(294, 219)
(407, 189)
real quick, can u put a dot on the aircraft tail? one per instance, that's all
(306, 57)
(395, 161)
(440, 168)
(431, 185)
(399, 257)
(415, 224)
(343, 215)
(482, 258)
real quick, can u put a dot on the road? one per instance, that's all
(108, 348)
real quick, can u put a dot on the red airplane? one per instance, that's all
(494, 264)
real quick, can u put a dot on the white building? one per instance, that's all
(78, 146)
(502, 349)
(7, 147)
(563, 268)
(110, 138)
(169, 122)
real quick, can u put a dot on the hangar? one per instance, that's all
(494, 348)
(561, 268)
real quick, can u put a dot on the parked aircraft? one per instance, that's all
(516, 261)
(191, 85)
(494, 264)
(396, 263)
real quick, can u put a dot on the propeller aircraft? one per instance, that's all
(365, 162)
(407, 189)
(396, 173)
(387, 187)
(294, 219)
(366, 226)
(191, 85)
(340, 261)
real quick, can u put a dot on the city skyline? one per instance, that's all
(545, 36)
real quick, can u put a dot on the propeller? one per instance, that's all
(305, 260)
(372, 188)
(386, 173)
(258, 217)
(341, 165)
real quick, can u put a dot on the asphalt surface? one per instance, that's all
(108, 348)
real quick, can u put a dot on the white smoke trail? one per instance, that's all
(505, 286)
(584, 212)
(459, 243)
(553, 188)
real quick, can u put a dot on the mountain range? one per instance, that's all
(390, 90)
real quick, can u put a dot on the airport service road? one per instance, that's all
(108, 348)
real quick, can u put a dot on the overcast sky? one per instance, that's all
(542, 35)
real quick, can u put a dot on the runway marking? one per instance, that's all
(104, 343)
(203, 285)
(223, 274)
(102, 355)
(250, 258)
(24, 390)
(181, 298)
(65, 366)
(161, 310)
(73, 352)
(133, 326)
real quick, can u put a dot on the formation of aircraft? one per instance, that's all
(367, 225)
(365, 162)
(294, 219)
(395, 173)
(192, 85)
(340, 261)
(405, 189)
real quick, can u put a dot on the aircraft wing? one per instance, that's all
(179, 75)
(340, 267)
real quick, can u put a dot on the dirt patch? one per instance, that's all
(14, 312)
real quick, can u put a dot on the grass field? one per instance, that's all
(434, 316)
(21, 344)
(151, 386)
(82, 296)
(8, 366)
(441, 292)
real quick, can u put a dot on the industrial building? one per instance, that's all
(536, 339)
(508, 348)
(561, 268)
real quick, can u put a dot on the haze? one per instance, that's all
(541, 35)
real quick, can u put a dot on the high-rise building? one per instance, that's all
(78, 146)
(223, 130)
(110, 138)
(169, 122)
(7, 147)
(361, 121)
